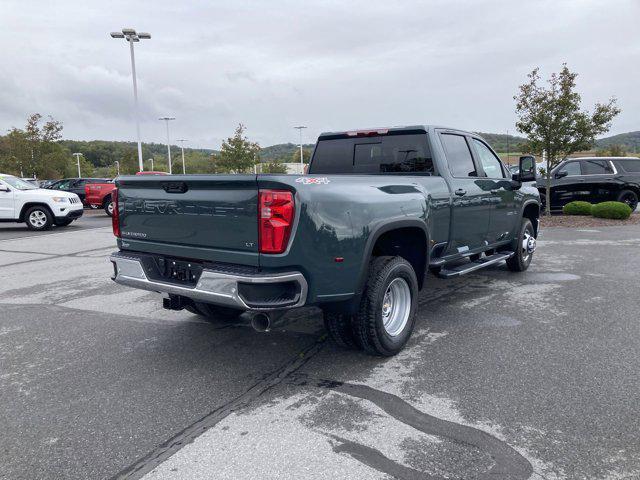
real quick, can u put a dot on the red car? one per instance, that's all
(100, 194)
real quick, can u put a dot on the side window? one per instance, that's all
(572, 169)
(632, 166)
(596, 167)
(490, 163)
(458, 155)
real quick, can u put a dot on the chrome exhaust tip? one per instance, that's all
(261, 322)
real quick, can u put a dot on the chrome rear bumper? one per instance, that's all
(212, 287)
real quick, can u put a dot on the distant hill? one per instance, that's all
(630, 141)
(102, 153)
(502, 142)
(282, 151)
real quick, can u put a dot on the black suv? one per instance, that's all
(594, 180)
(75, 185)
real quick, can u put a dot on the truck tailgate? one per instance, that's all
(210, 217)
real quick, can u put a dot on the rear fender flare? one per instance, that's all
(373, 238)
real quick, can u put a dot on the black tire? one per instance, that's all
(38, 218)
(107, 205)
(214, 313)
(521, 260)
(474, 257)
(368, 324)
(64, 223)
(630, 198)
(340, 328)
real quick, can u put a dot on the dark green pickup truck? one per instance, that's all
(355, 237)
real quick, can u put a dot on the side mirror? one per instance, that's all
(4, 189)
(561, 174)
(527, 170)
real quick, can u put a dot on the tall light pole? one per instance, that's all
(182, 140)
(151, 160)
(131, 36)
(166, 120)
(117, 164)
(78, 155)
(299, 128)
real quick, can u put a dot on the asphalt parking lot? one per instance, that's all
(533, 375)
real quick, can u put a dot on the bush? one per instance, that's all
(577, 208)
(617, 210)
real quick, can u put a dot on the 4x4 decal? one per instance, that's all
(312, 180)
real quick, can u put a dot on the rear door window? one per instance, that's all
(595, 167)
(458, 155)
(406, 154)
(572, 169)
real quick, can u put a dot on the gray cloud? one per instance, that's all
(330, 65)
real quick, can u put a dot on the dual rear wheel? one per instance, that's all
(386, 314)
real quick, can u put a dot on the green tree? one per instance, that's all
(552, 121)
(612, 151)
(70, 167)
(306, 155)
(238, 154)
(35, 150)
(276, 166)
(617, 151)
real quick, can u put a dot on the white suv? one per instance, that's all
(21, 201)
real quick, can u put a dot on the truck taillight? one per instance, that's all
(275, 219)
(115, 216)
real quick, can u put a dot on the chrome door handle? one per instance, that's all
(496, 190)
(460, 192)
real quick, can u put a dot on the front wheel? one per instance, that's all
(386, 316)
(38, 218)
(525, 246)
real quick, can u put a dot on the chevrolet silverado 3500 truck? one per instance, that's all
(356, 236)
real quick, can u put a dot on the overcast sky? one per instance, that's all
(331, 65)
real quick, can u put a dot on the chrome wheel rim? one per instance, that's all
(396, 307)
(528, 244)
(110, 208)
(38, 218)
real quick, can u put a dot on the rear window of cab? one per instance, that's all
(407, 154)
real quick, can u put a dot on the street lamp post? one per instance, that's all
(117, 164)
(78, 155)
(299, 128)
(151, 160)
(132, 36)
(182, 140)
(166, 121)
